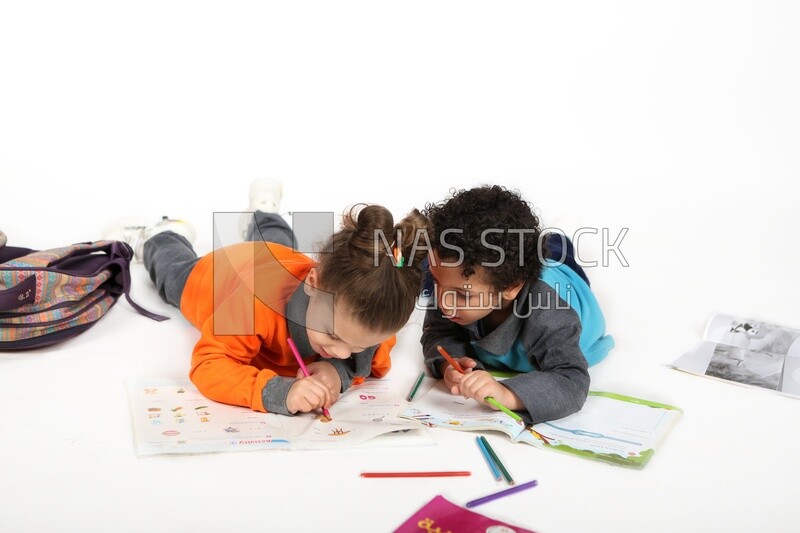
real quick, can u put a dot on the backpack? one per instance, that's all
(53, 295)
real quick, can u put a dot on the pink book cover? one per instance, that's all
(442, 516)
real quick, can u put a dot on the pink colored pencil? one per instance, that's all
(303, 367)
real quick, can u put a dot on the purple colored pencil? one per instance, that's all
(496, 495)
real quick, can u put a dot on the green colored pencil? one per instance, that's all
(415, 387)
(506, 410)
(496, 460)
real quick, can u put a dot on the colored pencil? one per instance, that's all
(303, 367)
(415, 387)
(489, 461)
(512, 490)
(416, 474)
(505, 409)
(496, 460)
(450, 359)
(489, 399)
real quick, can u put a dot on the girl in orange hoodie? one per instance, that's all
(342, 310)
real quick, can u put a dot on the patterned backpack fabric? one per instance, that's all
(52, 295)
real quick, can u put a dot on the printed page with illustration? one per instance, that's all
(747, 352)
(172, 417)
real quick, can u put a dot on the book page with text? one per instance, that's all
(439, 408)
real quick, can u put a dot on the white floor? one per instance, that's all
(679, 123)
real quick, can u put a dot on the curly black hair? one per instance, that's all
(477, 222)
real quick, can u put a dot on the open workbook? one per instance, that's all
(747, 352)
(610, 427)
(171, 417)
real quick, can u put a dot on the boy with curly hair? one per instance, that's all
(510, 298)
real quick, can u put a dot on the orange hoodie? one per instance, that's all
(237, 297)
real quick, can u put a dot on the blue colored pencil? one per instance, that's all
(489, 461)
(496, 460)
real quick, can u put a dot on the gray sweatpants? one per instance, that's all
(170, 258)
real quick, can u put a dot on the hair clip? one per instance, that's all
(399, 260)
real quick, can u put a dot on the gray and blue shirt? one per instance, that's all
(555, 332)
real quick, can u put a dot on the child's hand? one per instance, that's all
(307, 394)
(480, 384)
(327, 374)
(452, 377)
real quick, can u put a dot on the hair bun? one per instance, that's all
(360, 269)
(364, 223)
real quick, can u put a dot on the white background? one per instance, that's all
(679, 121)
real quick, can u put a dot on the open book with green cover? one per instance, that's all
(610, 427)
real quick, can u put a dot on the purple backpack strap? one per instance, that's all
(121, 254)
(7, 253)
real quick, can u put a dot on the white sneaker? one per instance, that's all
(265, 196)
(137, 230)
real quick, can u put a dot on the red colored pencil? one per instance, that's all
(415, 474)
(450, 359)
